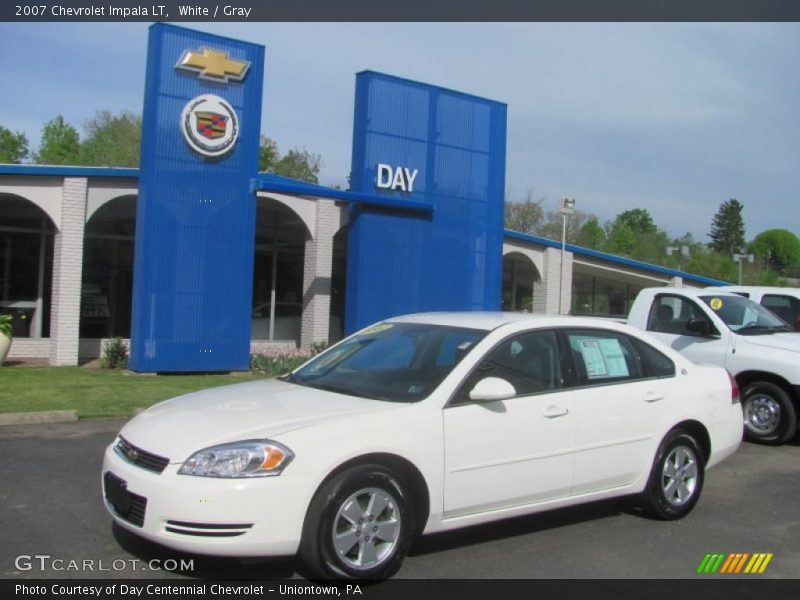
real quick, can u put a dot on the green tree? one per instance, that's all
(297, 164)
(779, 247)
(112, 140)
(268, 154)
(300, 164)
(592, 235)
(13, 146)
(524, 216)
(60, 144)
(639, 220)
(621, 238)
(727, 228)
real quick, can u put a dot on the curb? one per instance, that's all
(44, 416)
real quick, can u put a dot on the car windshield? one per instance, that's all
(399, 362)
(744, 316)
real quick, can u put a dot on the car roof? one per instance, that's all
(693, 292)
(762, 288)
(489, 320)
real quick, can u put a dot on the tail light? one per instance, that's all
(734, 390)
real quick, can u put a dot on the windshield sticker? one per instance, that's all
(603, 358)
(377, 328)
(715, 304)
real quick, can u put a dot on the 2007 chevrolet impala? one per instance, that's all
(420, 424)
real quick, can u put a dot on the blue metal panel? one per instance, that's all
(195, 215)
(400, 261)
(65, 171)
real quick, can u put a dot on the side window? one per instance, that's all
(531, 362)
(655, 364)
(787, 308)
(603, 357)
(670, 314)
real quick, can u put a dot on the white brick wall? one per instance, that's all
(317, 275)
(67, 268)
(551, 278)
(29, 348)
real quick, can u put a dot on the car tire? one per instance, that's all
(769, 414)
(359, 525)
(676, 479)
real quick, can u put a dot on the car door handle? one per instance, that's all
(653, 397)
(555, 411)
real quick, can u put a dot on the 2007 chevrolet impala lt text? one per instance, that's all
(421, 424)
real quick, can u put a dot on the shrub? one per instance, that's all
(318, 347)
(5, 325)
(274, 363)
(115, 354)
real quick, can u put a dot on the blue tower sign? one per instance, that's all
(425, 143)
(195, 211)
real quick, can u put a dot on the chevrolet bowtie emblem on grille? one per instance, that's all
(213, 65)
(132, 454)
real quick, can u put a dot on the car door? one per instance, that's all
(620, 406)
(668, 321)
(517, 451)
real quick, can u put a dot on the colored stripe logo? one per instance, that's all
(735, 563)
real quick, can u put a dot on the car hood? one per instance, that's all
(258, 409)
(781, 341)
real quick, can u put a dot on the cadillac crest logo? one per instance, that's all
(209, 125)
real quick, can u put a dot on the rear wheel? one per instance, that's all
(676, 478)
(359, 525)
(769, 415)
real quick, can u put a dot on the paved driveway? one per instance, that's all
(50, 494)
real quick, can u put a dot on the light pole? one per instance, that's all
(566, 208)
(684, 252)
(740, 258)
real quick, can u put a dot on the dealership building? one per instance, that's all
(200, 260)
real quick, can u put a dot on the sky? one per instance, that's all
(672, 117)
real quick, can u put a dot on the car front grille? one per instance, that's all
(141, 458)
(208, 529)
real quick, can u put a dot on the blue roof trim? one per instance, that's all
(276, 183)
(627, 262)
(64, 171)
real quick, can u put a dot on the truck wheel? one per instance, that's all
(358, 526)
(769, 415)
(676, 478)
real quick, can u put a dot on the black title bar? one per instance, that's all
(400, 10)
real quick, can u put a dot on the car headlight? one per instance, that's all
(249, 458)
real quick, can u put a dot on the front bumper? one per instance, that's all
(262, 516)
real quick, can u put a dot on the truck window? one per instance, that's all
(670, 314)
(785, 307)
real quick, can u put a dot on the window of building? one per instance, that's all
(600, 296)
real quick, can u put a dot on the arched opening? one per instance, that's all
(338, 285)
(26, 266)
(519, 278)
(277, 272)
(107, 287)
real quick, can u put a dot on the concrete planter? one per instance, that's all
(5, 346)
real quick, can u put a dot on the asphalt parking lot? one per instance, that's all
(49, 491)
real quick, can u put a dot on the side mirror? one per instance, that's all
(492, 388)
(698, 327)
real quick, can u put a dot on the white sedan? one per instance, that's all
(421, 424)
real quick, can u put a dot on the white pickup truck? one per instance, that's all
(719, 327)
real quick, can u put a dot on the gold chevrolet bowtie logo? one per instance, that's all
(213, 65)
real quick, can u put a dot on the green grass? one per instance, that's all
(96, 392)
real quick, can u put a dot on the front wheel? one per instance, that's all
(358, 526)
(676, 478)
(769, 415)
